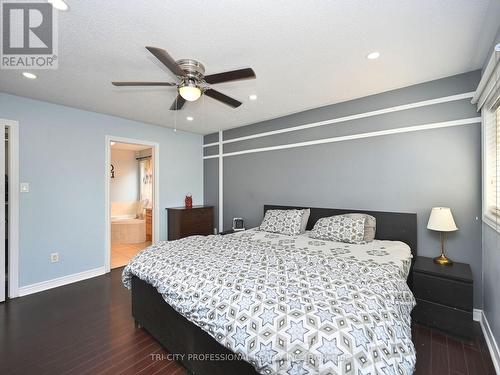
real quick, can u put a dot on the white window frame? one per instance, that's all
(488, 84)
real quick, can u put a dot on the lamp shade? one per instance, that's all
(441, 220)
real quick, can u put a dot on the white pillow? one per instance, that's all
(339, 228)
(305, 219)
(287, 222)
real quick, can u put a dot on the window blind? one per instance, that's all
(491, 121)
(488, 100)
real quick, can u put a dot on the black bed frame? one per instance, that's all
(191, 344)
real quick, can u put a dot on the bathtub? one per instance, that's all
(125, 229)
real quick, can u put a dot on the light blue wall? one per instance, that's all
(62, 153)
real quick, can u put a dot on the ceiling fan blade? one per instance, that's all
(178, 103)
(222, 98)
(167, 60)
(233, 75)
(143, 84)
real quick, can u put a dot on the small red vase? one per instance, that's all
(188, 201)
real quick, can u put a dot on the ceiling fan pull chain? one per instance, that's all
(175, 115)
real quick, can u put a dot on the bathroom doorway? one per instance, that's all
(131, 199)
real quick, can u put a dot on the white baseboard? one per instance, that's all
(479, 316)
(60, 281)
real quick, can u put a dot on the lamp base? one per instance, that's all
(443, 260)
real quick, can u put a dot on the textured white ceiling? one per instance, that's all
(305, 53)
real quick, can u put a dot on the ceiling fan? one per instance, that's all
(193, 81)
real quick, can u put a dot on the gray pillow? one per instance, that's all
(339, 228)
(370, 225)
(286, 222)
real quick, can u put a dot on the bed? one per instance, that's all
(258, 302)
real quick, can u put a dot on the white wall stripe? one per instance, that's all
(211, 156)
(408, 129)
(398, 108)
(211, 144)
(221, 184)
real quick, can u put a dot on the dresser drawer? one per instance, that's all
(195, 214)
(448, 292)
(455, 321)
(184, 222)
(193, 231)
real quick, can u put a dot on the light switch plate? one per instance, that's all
(25, 187)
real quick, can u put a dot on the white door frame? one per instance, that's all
(156, 196)
(13, 214)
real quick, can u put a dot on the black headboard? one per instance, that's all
(396, 226)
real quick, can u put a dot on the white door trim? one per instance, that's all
(156, 196)
(13, 206)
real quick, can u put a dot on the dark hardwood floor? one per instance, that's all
(438, 353)
(87, 328)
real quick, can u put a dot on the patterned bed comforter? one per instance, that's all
(290, 304)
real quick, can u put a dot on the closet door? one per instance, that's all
(3, 249)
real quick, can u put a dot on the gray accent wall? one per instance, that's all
(491, 278)
(406, 172)
(491, 264)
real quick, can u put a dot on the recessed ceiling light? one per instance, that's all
(112, 143)
(29, 75)
(252, 97)
(373, 55)
(59, 4)
(190, 118)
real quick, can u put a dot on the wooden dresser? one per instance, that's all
(184, 222)
(149, 224)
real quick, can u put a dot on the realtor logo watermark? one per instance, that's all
(29, 35)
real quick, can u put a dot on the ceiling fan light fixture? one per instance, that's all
(190, 92)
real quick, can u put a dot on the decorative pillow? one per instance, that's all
(339, 228)
(370, 225)
(305, 219)
(282, 221)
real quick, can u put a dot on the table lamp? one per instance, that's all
(441, 220)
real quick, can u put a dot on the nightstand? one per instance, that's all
(444, 296)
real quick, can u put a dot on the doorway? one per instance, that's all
(9, 213)
(132, 208)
